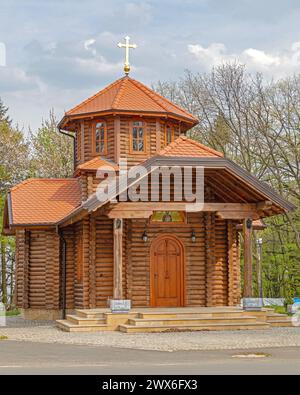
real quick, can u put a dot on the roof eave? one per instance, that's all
(221, 162)
(70, 117)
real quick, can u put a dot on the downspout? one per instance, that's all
(73, 137)
(63, 260)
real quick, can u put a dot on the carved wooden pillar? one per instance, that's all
(247, 231)
(118, 244)
(210, 258)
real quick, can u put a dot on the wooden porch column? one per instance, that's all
(247, 232)
(118, 243)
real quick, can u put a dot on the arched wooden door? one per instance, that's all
(167, 272)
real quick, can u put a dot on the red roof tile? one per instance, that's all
(186, 147)
(95, 163)
(127, 94)
(44, 201)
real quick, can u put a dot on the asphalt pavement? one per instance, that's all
(41, 358)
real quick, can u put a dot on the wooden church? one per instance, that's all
(75, 252)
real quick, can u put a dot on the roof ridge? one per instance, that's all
(170, 146)
(99, 93)
(175, 143)
(203, 146)
(148, 92)
(95, 159)
(27, 181)
(152, 94)
(119, 93)
(30, 180)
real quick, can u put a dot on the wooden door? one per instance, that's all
(166, 272)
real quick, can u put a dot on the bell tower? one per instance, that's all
(125, 120)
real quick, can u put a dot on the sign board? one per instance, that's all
(120, 306)
(295, 308)
(2, 315)
(252, 304)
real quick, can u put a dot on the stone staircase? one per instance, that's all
(279, 320)
(172, 320)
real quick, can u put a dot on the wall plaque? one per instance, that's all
(252, 304)
(120, 306)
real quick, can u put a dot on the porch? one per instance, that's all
(142, 320)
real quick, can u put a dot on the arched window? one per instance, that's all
(169, 134)
(100, 137)
(137, 137)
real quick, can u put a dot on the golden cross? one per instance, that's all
(127, 46)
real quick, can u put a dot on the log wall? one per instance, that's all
(212, 272)
(154, 140)
(37, 269)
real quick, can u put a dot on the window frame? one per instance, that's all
(94, 128)
(172, 127)
(131, 150)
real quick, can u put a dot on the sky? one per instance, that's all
(57, 53)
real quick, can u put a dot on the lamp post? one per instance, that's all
(259, 243)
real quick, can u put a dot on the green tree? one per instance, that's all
(52, 152)
(14, 165)
(4, 117)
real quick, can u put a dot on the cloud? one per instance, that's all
(88, 45)
(70, 64)
(15, 79)
(277, 64)
(140, 12)
(262, 58)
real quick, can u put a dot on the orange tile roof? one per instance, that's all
(95, 163)
(186, 147)
(44, 201)
(127, 94)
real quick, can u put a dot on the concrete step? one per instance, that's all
(179, 321)
(281, 323)
(277, 317)
(67, 326)
(193, 327)
(91, 314)
(78, 320)
(190, 314)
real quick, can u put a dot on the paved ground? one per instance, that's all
(46, 332)
(33, 358)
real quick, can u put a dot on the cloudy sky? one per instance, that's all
(59, 52)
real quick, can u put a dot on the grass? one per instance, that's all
(9, 313)
(280, 309)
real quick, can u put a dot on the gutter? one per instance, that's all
(62, 263)
(73, 137)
